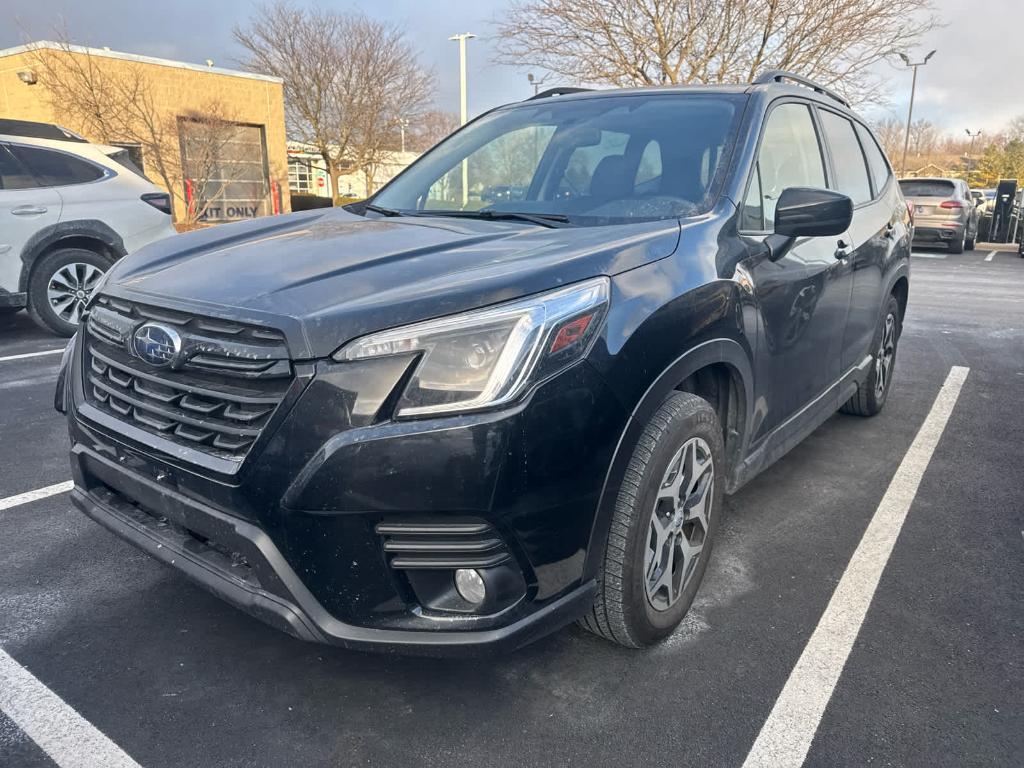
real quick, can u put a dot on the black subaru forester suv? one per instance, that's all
(434, 421)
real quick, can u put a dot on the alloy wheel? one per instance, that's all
(679, 523)
(69, 289)
(886, 355)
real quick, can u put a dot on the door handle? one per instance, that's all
(842, 250)
(29, 210)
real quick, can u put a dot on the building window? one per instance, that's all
(300, 176)
(225, 169)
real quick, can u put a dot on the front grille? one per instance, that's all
(470, 543)
(217, 398)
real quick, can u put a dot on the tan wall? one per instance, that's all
(176, 91)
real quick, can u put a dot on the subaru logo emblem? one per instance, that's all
(157, 344)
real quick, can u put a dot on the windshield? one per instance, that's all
(603, 160)
(926, 188)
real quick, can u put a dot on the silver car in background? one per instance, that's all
(944, 213)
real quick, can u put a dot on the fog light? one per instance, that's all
(470, 585)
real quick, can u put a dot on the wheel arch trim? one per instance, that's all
(714, 351)
(47, 238)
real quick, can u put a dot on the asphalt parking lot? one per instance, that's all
(935, 677)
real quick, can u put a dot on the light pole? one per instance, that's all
(970, 153)
(536, 82)
(403, 123)
(462, 37)
(910, 111)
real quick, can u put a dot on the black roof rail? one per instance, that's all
(778, 75)
(558, 91)
(31, 130)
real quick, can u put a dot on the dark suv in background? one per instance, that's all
(442, 419)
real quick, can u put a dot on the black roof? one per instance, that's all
(31, 130)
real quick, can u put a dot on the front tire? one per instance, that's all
(663, 525)
(872, 393)
(60, 286)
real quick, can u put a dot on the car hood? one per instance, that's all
(325, 277)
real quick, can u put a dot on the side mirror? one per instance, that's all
(812, 212)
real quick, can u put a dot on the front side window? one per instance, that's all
(790, 156)
(601, 160)
(850, 167)
(56, 169)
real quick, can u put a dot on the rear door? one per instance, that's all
(868, 240)
(802, 297)
(26, 207)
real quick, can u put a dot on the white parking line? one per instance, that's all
(990, 255)
(786, 736)
(38, 493)
(928, 255)
(62, 733)
(31, 354)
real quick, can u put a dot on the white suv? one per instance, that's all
(68, 210)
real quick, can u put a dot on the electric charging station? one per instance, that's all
(1005, 214)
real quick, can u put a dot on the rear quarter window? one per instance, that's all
(877, 163)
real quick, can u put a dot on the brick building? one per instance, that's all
(241, 174)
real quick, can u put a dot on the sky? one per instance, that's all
(972, 82)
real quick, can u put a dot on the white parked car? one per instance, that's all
(68, 210)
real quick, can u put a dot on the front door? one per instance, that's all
(803, 298)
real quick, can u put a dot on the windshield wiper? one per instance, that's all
(382, 210)
(542, 219)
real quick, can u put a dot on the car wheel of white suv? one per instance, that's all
(60, 287)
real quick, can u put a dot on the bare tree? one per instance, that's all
(432, 126)
(348, 81)
(653, 42)
(923, 138)
(890, 134)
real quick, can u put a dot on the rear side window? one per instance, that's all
(850, 167)
(13, 175)
(927, 188)
(790, 156)
(56, 169)
(877, 163)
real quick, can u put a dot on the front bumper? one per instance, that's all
(258, 579)
(10, 300)
(293, 537)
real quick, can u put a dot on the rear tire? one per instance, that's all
(61, 284)
(971, 242)
(872, 393)
(663, 525)
(958, 247)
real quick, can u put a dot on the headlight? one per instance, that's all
(487, 357)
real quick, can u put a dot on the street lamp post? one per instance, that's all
(462, 37)
(910, 111)
(970, 153)
(402, 125)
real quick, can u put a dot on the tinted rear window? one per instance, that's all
(56, 169)
(926, 188)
